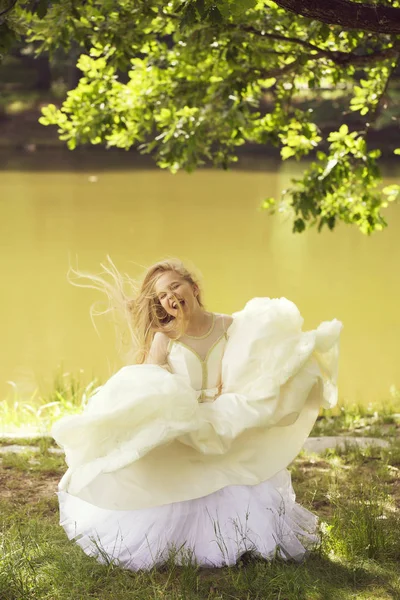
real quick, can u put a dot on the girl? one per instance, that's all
(185, 452)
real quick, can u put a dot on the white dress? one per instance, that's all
(193, 460)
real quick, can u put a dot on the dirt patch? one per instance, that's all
(27, 488)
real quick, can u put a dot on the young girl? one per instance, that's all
(185, 452)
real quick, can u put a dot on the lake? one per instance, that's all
(77, 210)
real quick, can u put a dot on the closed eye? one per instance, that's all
(173, 286)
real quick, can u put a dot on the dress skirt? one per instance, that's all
(211, 531)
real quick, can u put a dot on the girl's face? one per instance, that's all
(171, 289)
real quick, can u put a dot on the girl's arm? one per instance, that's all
(158, 354)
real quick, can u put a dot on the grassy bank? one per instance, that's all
(70, 393)
(355, 492)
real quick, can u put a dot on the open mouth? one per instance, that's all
(176, 303)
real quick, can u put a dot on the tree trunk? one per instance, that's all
(347, 14)
(42, 66)
(73, 73)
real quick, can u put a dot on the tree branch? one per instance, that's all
(343, 59)
(275, 36)
(373, 117)
(9, 8)
(347, 14)
(340, 58)
(278, 72)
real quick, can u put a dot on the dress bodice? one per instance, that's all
(201, 368)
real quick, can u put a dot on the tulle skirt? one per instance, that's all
(211, 531)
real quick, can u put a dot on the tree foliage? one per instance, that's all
(190, 81)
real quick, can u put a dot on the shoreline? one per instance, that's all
(22, 133)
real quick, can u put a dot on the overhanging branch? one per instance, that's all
(340, 58)
(381, 103)
(9, 8)
(349, 15)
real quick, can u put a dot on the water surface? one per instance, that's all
(51, 216)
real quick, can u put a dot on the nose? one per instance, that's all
(170, 297)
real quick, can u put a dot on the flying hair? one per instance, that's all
(134, 305)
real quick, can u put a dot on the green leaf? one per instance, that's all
(287, 152)
(268, 203)
(298, 226)
(391, 190)
(42, 8)
(215, 16)
(238, 9)
(200, 7)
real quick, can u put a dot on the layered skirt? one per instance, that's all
(212, 531)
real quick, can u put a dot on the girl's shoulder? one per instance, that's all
(161, 338)
(224, 320)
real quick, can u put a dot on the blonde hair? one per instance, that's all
(137, 303)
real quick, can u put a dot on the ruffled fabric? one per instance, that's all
(211, 531)
(145, 441)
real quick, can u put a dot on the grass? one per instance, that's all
(36, 414)
(355, 491)
(382, 419)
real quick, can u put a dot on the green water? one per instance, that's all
(51, 216)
